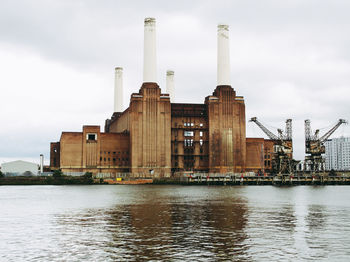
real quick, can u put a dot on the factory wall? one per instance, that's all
(119, 123)
(226, 118)
(189, 138)
(93, 151)
(55, 155)
(150, 131)
(255, 154)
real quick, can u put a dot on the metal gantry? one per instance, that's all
(314, 146)
(282, 161)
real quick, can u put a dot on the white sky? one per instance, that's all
(289, 59)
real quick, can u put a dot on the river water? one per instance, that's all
(174, 223)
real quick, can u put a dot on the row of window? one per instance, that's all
(192, 124)
(114, 153)
(189, 142)
(191, 133)
(114, 159)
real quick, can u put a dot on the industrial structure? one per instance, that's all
(156, 137)
(282, 159)
(314, 146)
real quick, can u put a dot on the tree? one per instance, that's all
(88, 175)
(1, 174)
(57, 173)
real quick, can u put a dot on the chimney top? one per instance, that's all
(150, 21)
(169, 72)
(118, 68)
(222, 27)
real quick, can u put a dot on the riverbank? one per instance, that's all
(193, 179)
(42, 180)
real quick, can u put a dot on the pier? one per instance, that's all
(283, 179)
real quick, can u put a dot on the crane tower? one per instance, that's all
(282, 161)
(314, 146)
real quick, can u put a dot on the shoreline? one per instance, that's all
(229, 180)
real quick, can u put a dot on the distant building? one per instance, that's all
(337, 155)
(19, 168)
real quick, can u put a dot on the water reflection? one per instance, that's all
(316, 217)
(170, 230)
(174, 223)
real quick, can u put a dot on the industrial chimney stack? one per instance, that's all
(118, 89)
(149, 52)
(170, 86)
(41, 164)
(223, 74)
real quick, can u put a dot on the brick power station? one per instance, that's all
(155, 137)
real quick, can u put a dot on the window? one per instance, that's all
(188, 133)
(192, 124)
(188, 142)
(201, 142)
(200, 133)
(91, 137)
(201, 124)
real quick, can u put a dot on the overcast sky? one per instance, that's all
(289, 59)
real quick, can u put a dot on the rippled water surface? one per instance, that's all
(174, 223)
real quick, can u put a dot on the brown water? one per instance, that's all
(174, 223)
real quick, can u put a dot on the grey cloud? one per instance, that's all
(289, 58)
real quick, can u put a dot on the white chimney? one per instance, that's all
(118, 89)
(41, 164)
(170, 87)
(149, 52)
(223, 74)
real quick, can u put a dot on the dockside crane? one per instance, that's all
(314, 146)
(282, 161)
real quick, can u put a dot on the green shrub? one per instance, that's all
(88, 175)
(57, 173)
